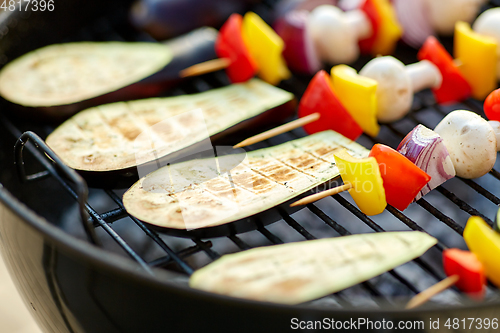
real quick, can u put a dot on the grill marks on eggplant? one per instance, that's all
(126, 134)
(196, 194)
(64, 74)
(299, 272)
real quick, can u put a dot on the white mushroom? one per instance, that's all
(488, 23)
(335, 33)
(397, 84)
(471, 142)
(444, 14)
(496, 127)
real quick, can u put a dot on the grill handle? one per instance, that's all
(55, 167)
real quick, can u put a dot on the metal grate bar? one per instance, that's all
(211, 253)
(462, 204)
(113, 216)
(495, 174)
(344, 232)
(411, 224)
(113, 234)
(153, 235)
(294, 224)
(481, 190)
(239, 242)
(163, 261)
(440, 216)
(331, 223)
(269, 235)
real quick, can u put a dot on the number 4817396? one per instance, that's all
(471, 323)
(25, 5)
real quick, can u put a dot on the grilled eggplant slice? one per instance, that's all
(54, 82)
(110, 141)
(64, 74)
(299, 272)
(212, 192)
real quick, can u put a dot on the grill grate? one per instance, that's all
(182, 259)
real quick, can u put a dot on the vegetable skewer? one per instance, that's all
(366, 97)
(326, 34)
(464, 270)
(373, 186)
(469, 140)
(248, 46)
(384, 75)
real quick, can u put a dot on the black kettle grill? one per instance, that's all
(130, 278)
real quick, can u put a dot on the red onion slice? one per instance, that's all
(299, 51)
(414, 17)
(426, 149)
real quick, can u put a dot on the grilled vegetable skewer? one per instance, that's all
(326, 34)
(468, 147)
(246, 46)
(464, 270)
(376, 182)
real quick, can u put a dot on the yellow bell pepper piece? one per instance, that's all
(266, 47)
(390, 29)
(478, 57)
(358, 95)
(484, 242)
(364, 175)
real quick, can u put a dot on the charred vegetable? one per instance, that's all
(300, 272)
(121, 136)
(202, 193)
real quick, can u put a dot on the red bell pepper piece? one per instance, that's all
(230, 45)
(455, 87)
(319, 97)
(369, 8)
(492, 105)
(470, 270)
(402, 179)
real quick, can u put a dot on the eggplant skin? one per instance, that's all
(119, 137)
(169, 18)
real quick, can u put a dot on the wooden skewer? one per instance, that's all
(205, 67)
(321, 195)
(430, 292)
(458, 62)
(279, 130)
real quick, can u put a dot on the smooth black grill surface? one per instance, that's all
(442, 213)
